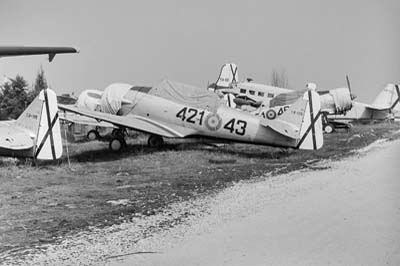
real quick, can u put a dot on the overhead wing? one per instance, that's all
(134, 122)
(35, 50)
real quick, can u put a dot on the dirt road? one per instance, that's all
(346, 215)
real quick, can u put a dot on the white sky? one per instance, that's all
(142, 42)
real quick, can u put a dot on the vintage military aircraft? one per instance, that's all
(36, 132)
(175, 110)
(6, 51)
(80, 126)
(269, 101)
(384, 107)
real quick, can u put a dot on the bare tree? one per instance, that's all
(279, 79)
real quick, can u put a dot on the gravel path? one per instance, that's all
(347, 215)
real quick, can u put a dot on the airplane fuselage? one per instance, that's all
(188, 121)
(360, 112)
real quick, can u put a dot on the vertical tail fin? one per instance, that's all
(311, 134)
(228, 75)
(41, 118)
(302, 121)
(389, 97)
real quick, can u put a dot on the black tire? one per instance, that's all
(329, 128)
(92, 135)
(155, 141)
(116, 144)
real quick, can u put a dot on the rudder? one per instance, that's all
(228, 75)
(388, 98)
(49, 142)
(302, 121)
(311, 133)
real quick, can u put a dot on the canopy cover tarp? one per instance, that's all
(113, 97)
(186, 94)
(90, 99)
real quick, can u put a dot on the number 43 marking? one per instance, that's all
(240, 128)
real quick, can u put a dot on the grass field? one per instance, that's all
(41, 204)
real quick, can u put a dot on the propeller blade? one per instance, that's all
(348, 86)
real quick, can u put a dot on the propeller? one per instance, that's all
(352, 96)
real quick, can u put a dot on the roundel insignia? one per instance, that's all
(213, 122)
(271, 114)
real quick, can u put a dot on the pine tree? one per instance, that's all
(14, 98)
(40, 84)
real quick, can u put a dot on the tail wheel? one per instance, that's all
(155, 141)
(329, 128)
(116, 144)
(92, 135)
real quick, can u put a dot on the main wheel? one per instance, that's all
(116, 144)
(155, 141)
(329, 128)
(92, 135)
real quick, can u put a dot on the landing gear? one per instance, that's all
(326, 125)
(329, 128)
(118, 142)
(155, 141)
(93, 135)
(118, 132)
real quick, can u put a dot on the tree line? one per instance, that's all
(16, 95)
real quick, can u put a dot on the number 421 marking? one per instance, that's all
(192, 113)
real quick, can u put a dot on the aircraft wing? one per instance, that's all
(35, 50)
(134, 122)
(78, 119)
(378, 108)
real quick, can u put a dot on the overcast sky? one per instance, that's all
(142, 42)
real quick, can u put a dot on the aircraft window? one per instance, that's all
(252, 92)
(270, 95)
(141, 89)
(94, 95)
(242, 90)
(261, 94)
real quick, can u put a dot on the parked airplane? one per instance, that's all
(78, 125)
(36, 133)
(176, 110)
(384, 107)
(269, 101)
(35, 50)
